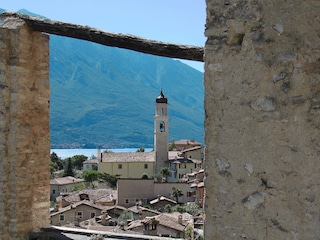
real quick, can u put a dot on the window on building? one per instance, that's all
(191, 194)
(92, 214)
(145, 166)
(146, 227)
(119, 166)
(79, 214)
(127, 201)
(154, 226)
(53, 191)
(162, 126)
(61, 217)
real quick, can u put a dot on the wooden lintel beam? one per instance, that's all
(126, 41)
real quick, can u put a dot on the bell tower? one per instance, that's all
(161, 133)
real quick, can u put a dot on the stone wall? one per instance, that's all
(262, 105)
(24, 130)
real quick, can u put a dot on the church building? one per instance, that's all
(137, 164)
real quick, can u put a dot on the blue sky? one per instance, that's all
(175, 21)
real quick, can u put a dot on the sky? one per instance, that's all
(174, 21)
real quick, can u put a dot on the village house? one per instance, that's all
(75, 213)
(184, 144)
(139, 212)
(180, 166)
(102, 197)
(165, 225)
(160, 202)
(62, 185)
(196, 152)
(91, 164)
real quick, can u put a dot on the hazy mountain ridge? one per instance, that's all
(105, 96)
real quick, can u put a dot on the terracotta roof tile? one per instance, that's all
(128, 157)
(65, 180)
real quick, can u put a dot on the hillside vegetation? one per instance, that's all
(105, 96)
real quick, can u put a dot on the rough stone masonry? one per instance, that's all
(262, 105)
(24, 130)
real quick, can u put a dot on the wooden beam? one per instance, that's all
(126, 41)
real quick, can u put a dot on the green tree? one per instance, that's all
(125, 215)
(165, 172)
(77, 161)
(189, 232)
(110, 179)
(192, 208)
(90, 176)
(141, 149)
(78, 186)
(68, 171)
(172, 146)
(168, 208)
(53, 167)
(176, 193)
(57, 160)
(179, 208)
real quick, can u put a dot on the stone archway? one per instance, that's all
(24, 112)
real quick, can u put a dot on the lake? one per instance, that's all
(65, 153)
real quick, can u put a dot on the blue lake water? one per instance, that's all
(65, 153)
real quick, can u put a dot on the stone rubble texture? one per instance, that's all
(262, 105)
(262, 119)
(24, 130)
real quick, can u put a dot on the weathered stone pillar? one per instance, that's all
(24, 130)
(262, 104)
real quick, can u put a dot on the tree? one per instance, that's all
(57, 160)
(168, 208)
(68, 171)
(165, 172)
(90, 176)
(77, 187)
(176, 193)
(77, 161)
(192, 208)
(141, 149)
(172, 146)
(110, 179)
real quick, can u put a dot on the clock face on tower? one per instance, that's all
(162, 126)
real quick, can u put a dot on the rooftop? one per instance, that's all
(65, 180)
(128, 157)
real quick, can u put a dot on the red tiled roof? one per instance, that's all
(65, 180)
(128, 157)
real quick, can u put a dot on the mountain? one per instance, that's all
(105, 96)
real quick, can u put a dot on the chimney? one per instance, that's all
(180, 219)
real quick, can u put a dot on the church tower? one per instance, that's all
(161, 133)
